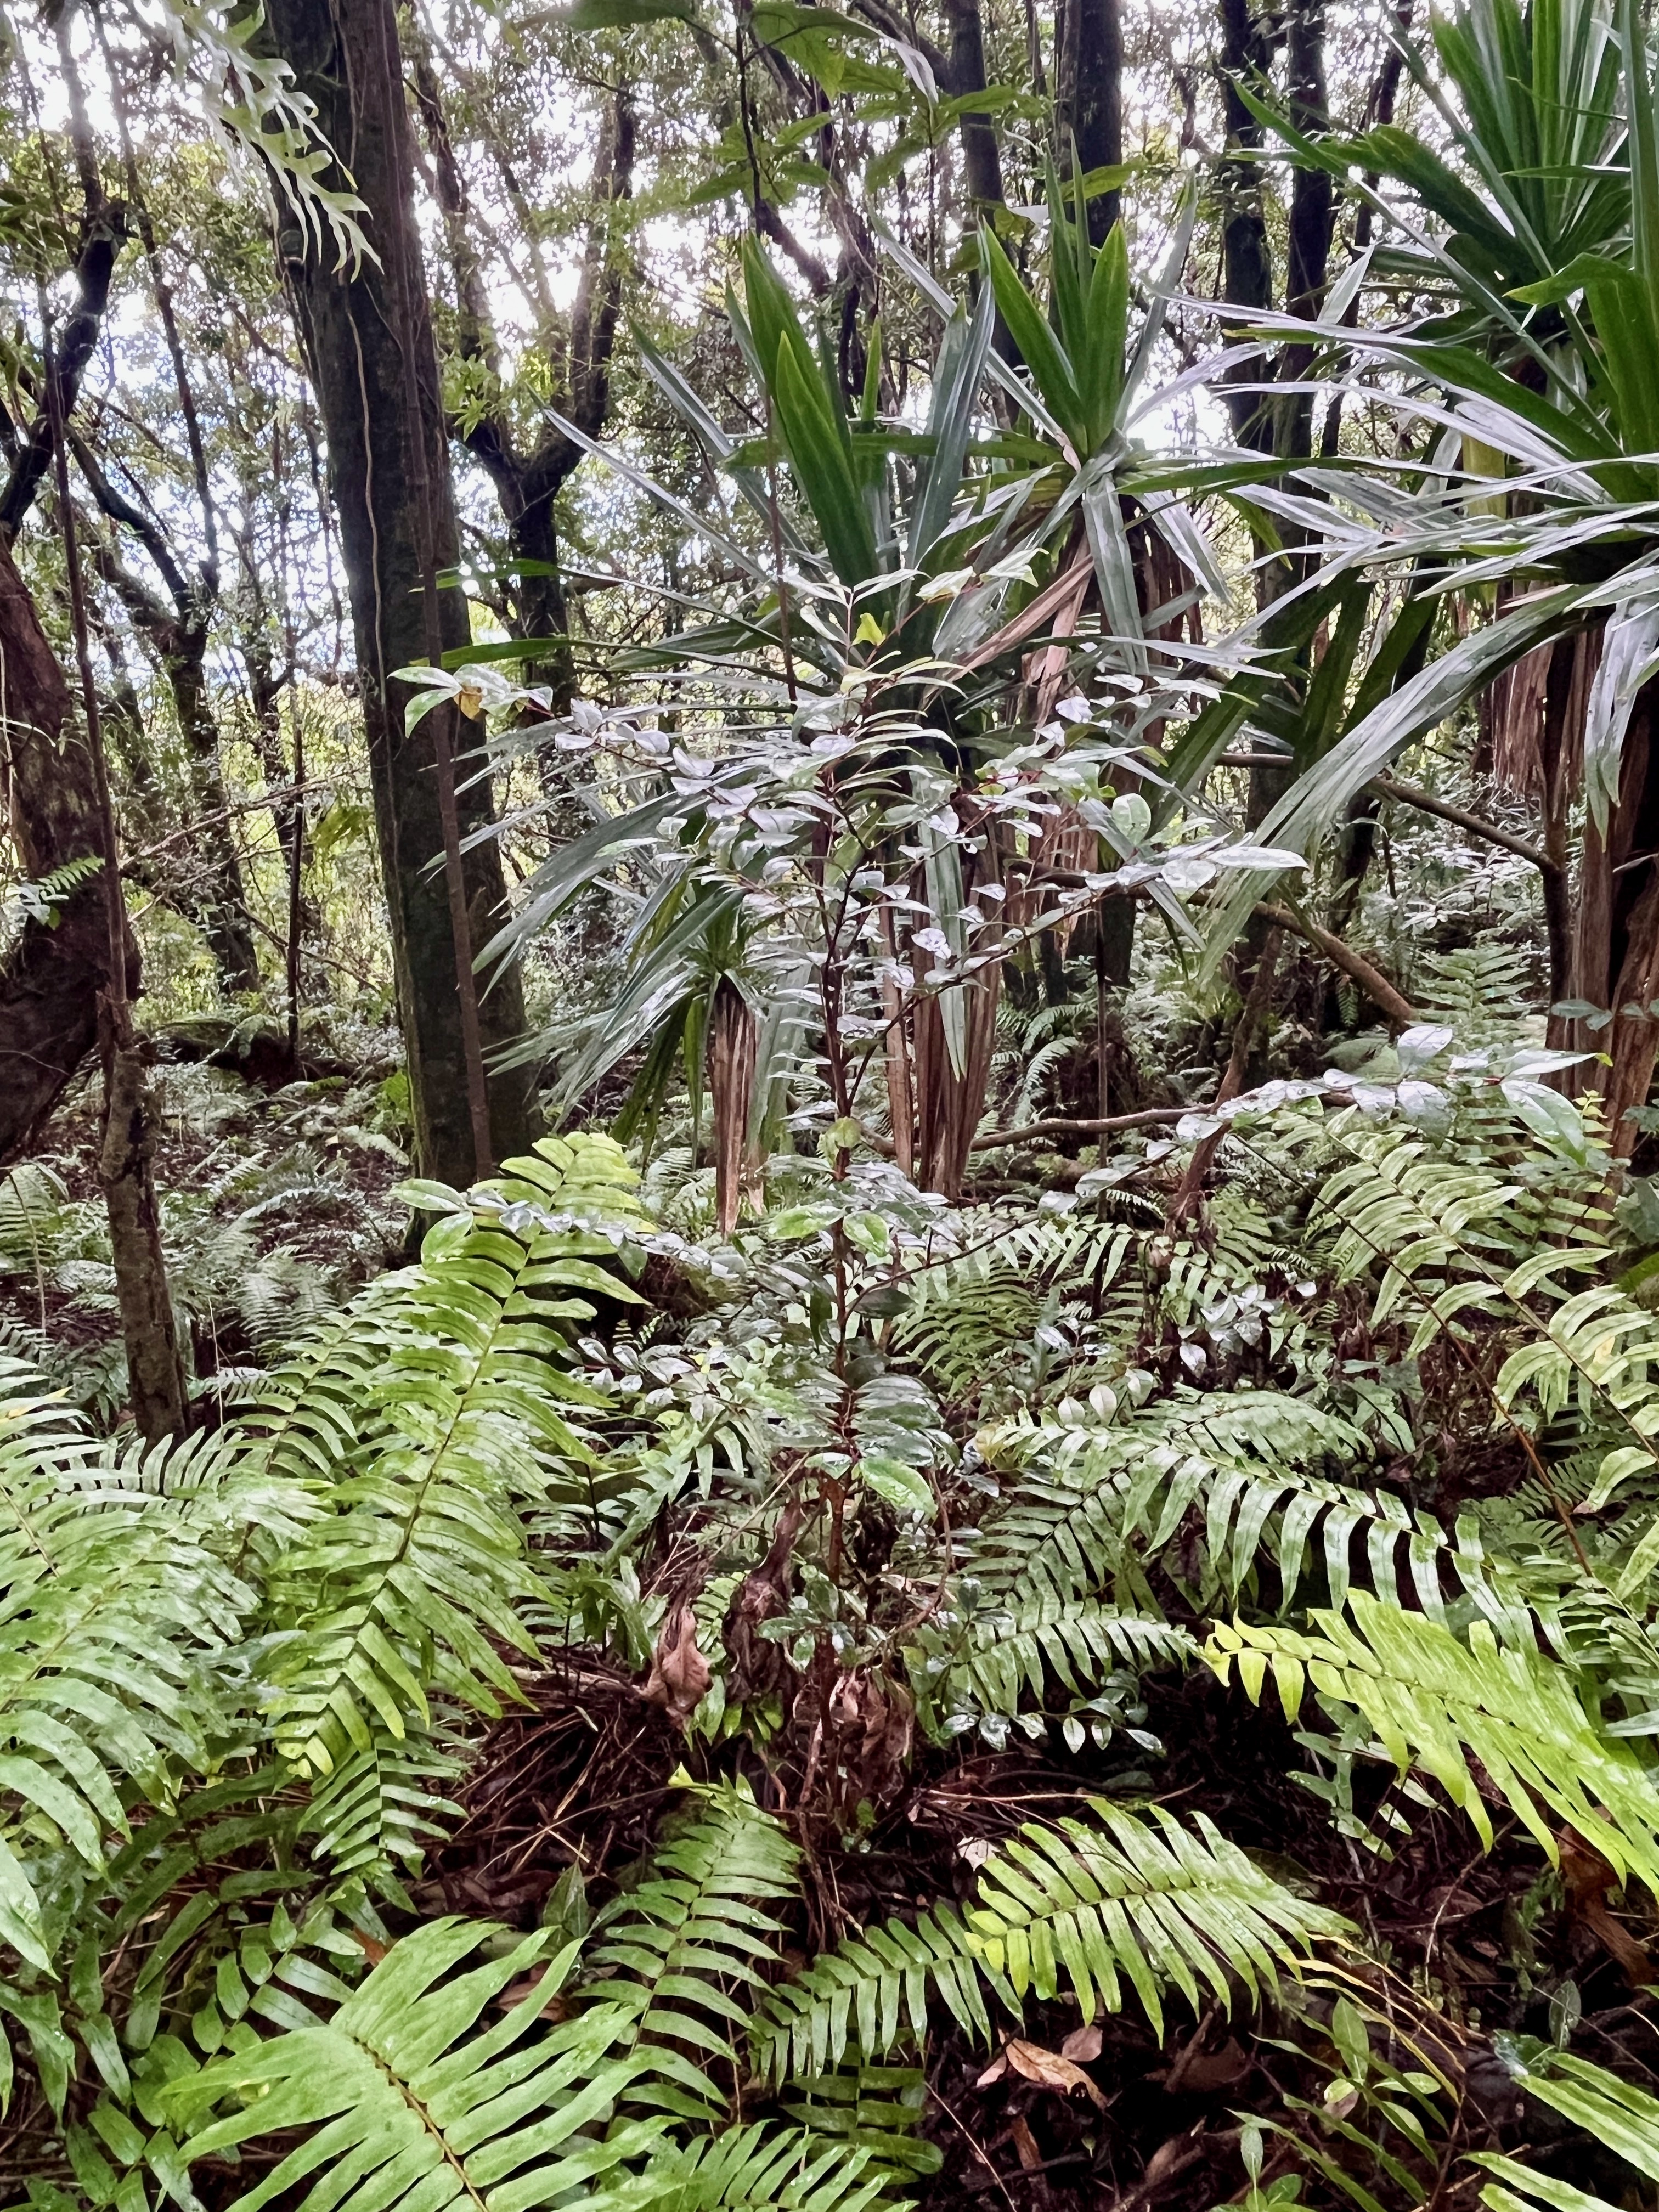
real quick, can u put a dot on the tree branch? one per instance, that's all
(1410, 795)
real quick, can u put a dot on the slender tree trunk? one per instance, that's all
(1616, 938)
(982, 158)
(220, 903)
(1247, 274)
(363, 332)
(156, 1389)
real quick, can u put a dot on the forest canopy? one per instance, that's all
(829, 1155)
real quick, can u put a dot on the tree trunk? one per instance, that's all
(220, 904)
(156, 1390)
(981, 159)
(50, 982)
(396, 501)
(1090, 36)
(1247, 275)
(1616, 938)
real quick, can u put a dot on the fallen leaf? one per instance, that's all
(1082, 2043)
(994, 2072)
(1047, 2069)
(1586, 1878)
(679, 1672)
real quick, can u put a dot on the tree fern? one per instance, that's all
(1134, 1898)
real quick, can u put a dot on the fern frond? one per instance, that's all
(876, 2110)
(998, 1659)
(691, 1936)
(396, 2090)
(749, 2169)
(418, 1562)
(1435, 1703)
(112, 1602)
(382, 1804)
(1135, 1898)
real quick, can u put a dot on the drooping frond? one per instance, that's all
(112, 1601)
(396, 2093)
(419, 1559)
(749, 2169)
(690, 1943)
(1435, 1703)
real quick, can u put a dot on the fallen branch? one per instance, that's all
(1030, 1130)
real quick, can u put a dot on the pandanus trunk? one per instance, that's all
(731, 1047)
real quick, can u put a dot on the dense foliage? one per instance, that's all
(829, 1210)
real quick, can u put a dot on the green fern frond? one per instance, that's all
(382, 1804)
(876, 2110)
(1619, 2114)
(996, 1661)
(418, 1562)
(1436, 1703)
(396, 2090)
(113, 1603)
(749, 2169)
(1136, 1898)
(686, 1943)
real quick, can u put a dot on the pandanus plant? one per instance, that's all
(859, 814)
(1535, 490)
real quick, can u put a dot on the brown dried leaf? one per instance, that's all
(679, 1672)
(994, 2072)
(1586, 1878)
(1083, 2044)
(1049, 2070)
(754, 1664)
(1201, 2072)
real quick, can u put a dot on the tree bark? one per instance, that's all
(1616, 935)
(176, 632)
(982, 158)
(1247, 273)
(50, 980)
(1089, 34)
(156, 1389)
(361, 332)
